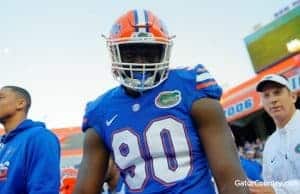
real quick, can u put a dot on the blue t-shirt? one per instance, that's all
(252, 169)
(153, 138)
(29, 160)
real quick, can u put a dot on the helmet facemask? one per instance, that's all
(140, 65)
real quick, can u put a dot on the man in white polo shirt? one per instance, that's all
(281, 156)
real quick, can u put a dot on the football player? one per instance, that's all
(165, 128)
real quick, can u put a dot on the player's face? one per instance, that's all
(141, 53)
(8, 103)
(278, 101)
(138, 59)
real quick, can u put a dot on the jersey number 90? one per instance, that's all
(164, 155)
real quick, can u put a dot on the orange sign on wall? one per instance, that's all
(243, 99)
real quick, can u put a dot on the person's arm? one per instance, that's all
(219, 146)
(112, 176)
(93, 165)
(43, 164)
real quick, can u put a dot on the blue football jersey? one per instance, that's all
(153, 138)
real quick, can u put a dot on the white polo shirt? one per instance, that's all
(281, 158)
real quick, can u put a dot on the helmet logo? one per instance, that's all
(116, 28)
(143, 34)
(168, 99)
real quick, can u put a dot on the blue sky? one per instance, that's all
(55, 50)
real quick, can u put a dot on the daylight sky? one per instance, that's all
(54, 48)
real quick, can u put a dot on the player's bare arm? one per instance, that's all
(93, 165)
(219, 146)
(112, 175)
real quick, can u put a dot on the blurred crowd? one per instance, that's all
(252, 150)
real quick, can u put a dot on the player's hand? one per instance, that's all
(260, 189)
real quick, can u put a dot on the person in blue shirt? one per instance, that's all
(29, 153)
(252, 168)
(164, 128)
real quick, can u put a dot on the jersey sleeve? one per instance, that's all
(93, 117)
(199, 83)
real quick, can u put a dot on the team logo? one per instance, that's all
(143, 34)
(116, 28)
(168, 99)
(297, 148)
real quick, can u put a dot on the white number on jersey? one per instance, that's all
(168, 147)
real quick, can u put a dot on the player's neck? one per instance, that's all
(132, 93)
